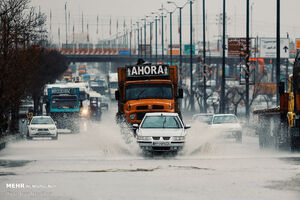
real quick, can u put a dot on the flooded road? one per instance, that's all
(101, 163)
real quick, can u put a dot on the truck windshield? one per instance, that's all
(161, 122)
(153, 91)
(64, 101)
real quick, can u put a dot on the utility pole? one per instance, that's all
(222, 99)
(278, 51)
(150, 41)
(171, 46)
(156, 40)
(247, 61)
(66, 25)
(204, 61)
(145, 39)
(138, 39)
(180, 48)
(162, 33)
(191, 57)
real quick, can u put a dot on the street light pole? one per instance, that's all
(150, 41)
(138, 39)
(222, 99)
(191, 57)
(162, 34)
(204, 61)
(278, 51)
(145, 39)
(155, 39)
(247, 61)
(180, 48)
(171, 38)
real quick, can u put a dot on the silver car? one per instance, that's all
(42, 126)
(161, 132)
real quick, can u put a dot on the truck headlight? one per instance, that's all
(178, 138)
(132, 116)
(144, 137)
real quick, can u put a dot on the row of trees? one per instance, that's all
(25, 66)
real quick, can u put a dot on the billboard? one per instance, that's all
(268, 48)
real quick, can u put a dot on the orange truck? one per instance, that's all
(146, 88)
(81, 70)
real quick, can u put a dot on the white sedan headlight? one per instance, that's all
(178, 138)
(52, 128)
(144, 138)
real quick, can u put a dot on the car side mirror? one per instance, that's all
(180, 93)
(135, 125)
(117, 95)
(187, 126)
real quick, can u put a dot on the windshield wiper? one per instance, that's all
(165, 119)
(140, 93)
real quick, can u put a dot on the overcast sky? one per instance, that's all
(264, 16)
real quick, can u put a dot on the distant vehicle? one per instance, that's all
(228, 125)
(67, 76)
(113, 84)
(161, 131)
(42, 126)
(212, 100)
(104, 103)
(100, 86)
(86, 77)
(205, 118)
(81, 70)
(63, 103)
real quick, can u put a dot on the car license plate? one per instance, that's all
(161, 143)
(44, 133)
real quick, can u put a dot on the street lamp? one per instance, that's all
(180, 38)
(191, 56)
(138, 38)
(171, 46)
(156, 19)
(145, 39)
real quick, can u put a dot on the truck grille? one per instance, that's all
(157, 107)
(142, 107)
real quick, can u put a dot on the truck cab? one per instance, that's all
(147, 88)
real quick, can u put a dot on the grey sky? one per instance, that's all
(264, 16)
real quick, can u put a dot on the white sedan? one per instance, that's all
(227, 125)
(161, 132)
(42, 126)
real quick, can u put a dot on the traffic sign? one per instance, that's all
(237, 47)
(268, 48)
(187, 49)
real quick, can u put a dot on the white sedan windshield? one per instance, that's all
(161, 122)
(41, 121)
(224, 119)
